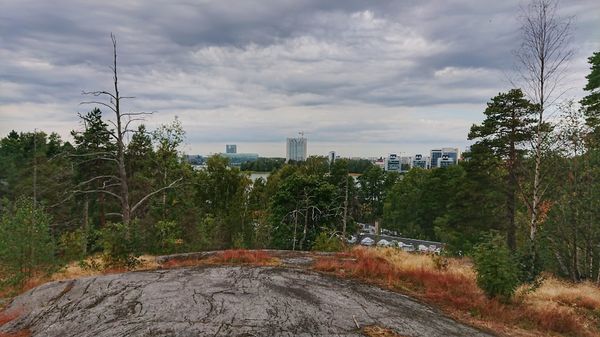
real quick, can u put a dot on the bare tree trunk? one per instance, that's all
(535, 202)
(86, 222)
(125, 209)
(295, 229)
(305, 230)
(345, 211)
(511, 237)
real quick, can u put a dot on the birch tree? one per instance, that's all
(541, 64)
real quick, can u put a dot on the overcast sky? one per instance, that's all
(364, 78)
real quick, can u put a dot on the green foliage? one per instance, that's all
(73, 245)
(328, 243)
(358, 165)
(510, 122)
(168, 236)
(26, 246)
(263, 164)
(591, 102)
(497, 271)
(121, 245)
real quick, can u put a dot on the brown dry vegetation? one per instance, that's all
(377, 331)
(21, 333)
(7, 316)
(555, 308)
(233, 256)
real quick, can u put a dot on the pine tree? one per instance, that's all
(508, 125)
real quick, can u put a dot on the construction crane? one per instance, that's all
(302, 133)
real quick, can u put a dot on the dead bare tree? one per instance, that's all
(121, 122)
(541, 65)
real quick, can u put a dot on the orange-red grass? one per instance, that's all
(235, 256)
(20, 333)
(457, 292)
(8, 315)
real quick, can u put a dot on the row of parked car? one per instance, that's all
(407, 247)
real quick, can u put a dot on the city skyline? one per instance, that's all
(220, 148)
(357, 76)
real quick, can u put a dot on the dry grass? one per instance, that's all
(242, 256)
(8, 316)
(20, 333)
(555, 308)
(377, 331)
(233, 256)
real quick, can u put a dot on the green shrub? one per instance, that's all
(327, 243)
(497, 270)
(72, 245)
(169, 236)
(26, 246)
(120, 243)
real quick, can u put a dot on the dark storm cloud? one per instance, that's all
(262, 70)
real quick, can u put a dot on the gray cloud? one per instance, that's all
(378, 75)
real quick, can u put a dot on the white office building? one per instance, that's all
(295, 149)
(419, 161)
(450, 154)
(392, 163)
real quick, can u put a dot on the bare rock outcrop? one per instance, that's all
(223, 301)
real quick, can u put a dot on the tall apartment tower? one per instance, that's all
(433, 158)
(230, 148)
(449, 154)
(452, 153)
(295, 149)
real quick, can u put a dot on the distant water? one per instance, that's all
(256, 175)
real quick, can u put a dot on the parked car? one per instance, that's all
(384, 243)
(367, 241)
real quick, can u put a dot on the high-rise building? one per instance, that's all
(434, 156)
(230, 148)
(419, 161)
(332, 156)
(295, 149)
(392, 163)
(445, 161)
(452, 153)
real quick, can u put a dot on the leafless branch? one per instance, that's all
(139, 203)
(98, 191)
(99, 103)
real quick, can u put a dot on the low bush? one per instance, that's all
(26, 246)
(497, 270)
(328, 243)
(120, 243)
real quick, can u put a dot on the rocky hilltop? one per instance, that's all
(222, 301)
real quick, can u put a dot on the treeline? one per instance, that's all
(75, 192)
(263, 164)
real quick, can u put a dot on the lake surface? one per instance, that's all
(256, 175)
